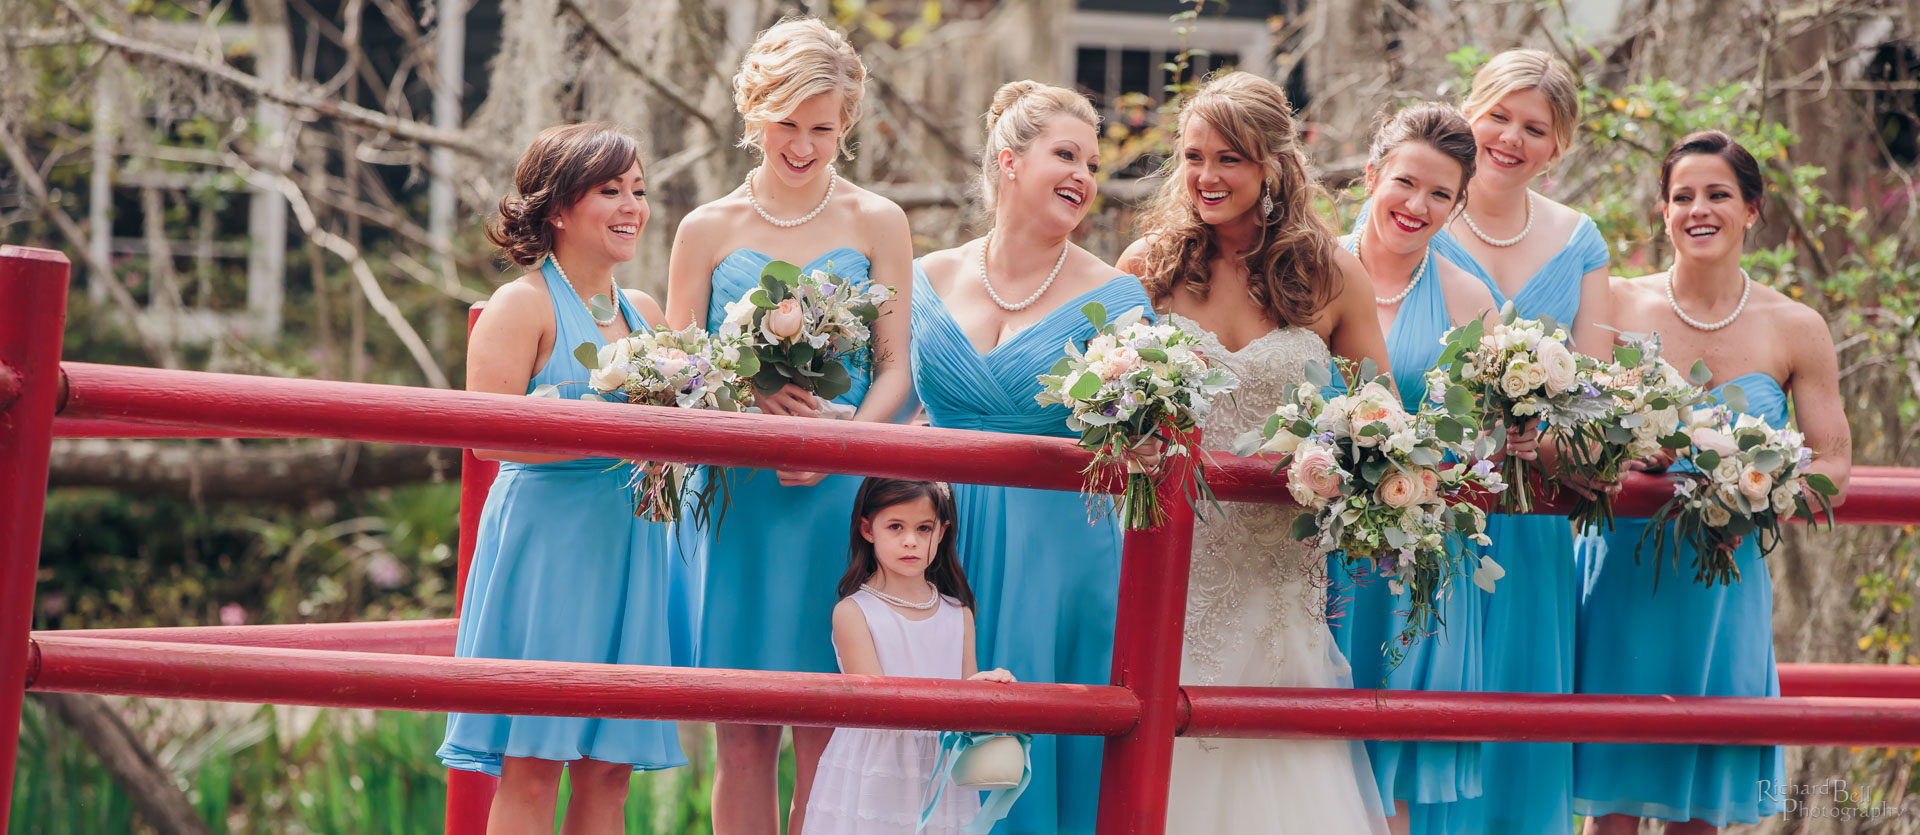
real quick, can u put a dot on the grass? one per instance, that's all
(347, 772)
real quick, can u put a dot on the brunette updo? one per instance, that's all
(559, 168)
(1746, 170)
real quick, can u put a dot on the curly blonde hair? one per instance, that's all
(795, 60)
(1020, 113)
(1516, 70)
(1290, 269)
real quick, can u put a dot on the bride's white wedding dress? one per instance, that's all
(1256, 617)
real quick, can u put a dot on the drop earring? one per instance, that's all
(1266, 202)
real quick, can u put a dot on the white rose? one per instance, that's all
(1783, 496)
(1514, 382)
(1727, 472)
(607, 379)
(1536, 375)
(1557, 366)
(1718, 516)
(617, 352)
(1665, 421)
(739, 316)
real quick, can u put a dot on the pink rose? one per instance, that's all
(1316, 468)
(1714, 439)
(1398, 490)
(1429, 486)
(1118, 363)
(1756, 486)
(783, 323)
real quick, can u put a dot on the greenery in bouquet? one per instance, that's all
(688, 369)
(1376, 489)
(1136, 381)
(1651, 411)
(806, 327)
(1738, 478)
(1519, 370)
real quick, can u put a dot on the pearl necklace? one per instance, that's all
(612, 311)
(1015, 308)
(832, 177)
(1746, 289)
(1489, 241)
(1426, 257)
(932, 600)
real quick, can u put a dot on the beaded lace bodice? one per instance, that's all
(1250, 582)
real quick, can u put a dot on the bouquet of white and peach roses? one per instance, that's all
(1136, 381)
(1651, 411)
(1741, 478)
(1517, 370)
(806, 327)
(686, 368)
(1372, 480)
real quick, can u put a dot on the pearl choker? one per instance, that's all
(832, 177)
(1014, 308)
(933, 598)
(1475, 228)
(1746, 290)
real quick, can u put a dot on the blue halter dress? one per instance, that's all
(1529, 620)
(563, 571)
(771, 569)
(1364, 615)
(1045, 578)
(1684, 639)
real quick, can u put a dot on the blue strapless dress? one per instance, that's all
(1364, 615)
(1529, 621)
(1045, 579)
(563, 571)
(769, 572)
(1686, 639)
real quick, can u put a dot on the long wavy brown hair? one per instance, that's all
(1290, 269)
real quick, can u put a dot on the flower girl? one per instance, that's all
(905, 610)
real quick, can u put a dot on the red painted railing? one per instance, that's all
(406, 665)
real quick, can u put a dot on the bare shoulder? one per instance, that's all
(645, 303)
(1637, 294)
(944, 267)
(521, 296)
(1133, 259)
(1467, 296)
(870, 206)
(847, 613)
(1555, 217)
(1789, 317)
(710, 220)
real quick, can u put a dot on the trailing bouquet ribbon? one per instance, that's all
(955, 744)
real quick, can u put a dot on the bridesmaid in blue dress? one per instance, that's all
(562, 569)
(1682, 638)
(1417, 175)
(771, 569)
(1549, 260)
(989, 317)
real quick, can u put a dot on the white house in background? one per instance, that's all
(1120, 46)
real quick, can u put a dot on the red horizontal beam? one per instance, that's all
(550, 688)
(77, 428)
(436, 638)
(285, 407)
(1303, 713)
(401, 637)
(1873, 681)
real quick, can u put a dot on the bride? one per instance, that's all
(1235, 255)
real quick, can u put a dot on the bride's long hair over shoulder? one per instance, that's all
(1290, 267)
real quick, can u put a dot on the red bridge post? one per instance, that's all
(33, 317)
(470, 793)
(1150, 625)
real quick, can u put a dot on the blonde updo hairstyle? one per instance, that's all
(1290, 268)
(1517, 70)
(1020, 113)
(559, 168)
(795, 60)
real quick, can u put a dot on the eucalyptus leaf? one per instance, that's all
(1319, 375)
(1061, 366)
(1822, 484)
(1084, 386)
(602, 309)
(1699, 374)
(1459, 400)
(1153, 355)
(1304, 527)
(1247, 443)
(832, 382)
(1768, 461)
(1707, 460)
(588, 355)
(1677, 440)
(1424, 456)
(1368, 371)
(1095, 313)
(1626, 355)
(1395, 537)
(1450, 430)
(783, 272)
(1736, 398)
(760, 299)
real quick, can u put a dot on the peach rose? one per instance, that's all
(1756, 486)
(783, 323)
(1398, 490)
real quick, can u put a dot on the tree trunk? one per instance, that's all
(133, 768)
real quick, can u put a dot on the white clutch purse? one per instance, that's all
(998, 763)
